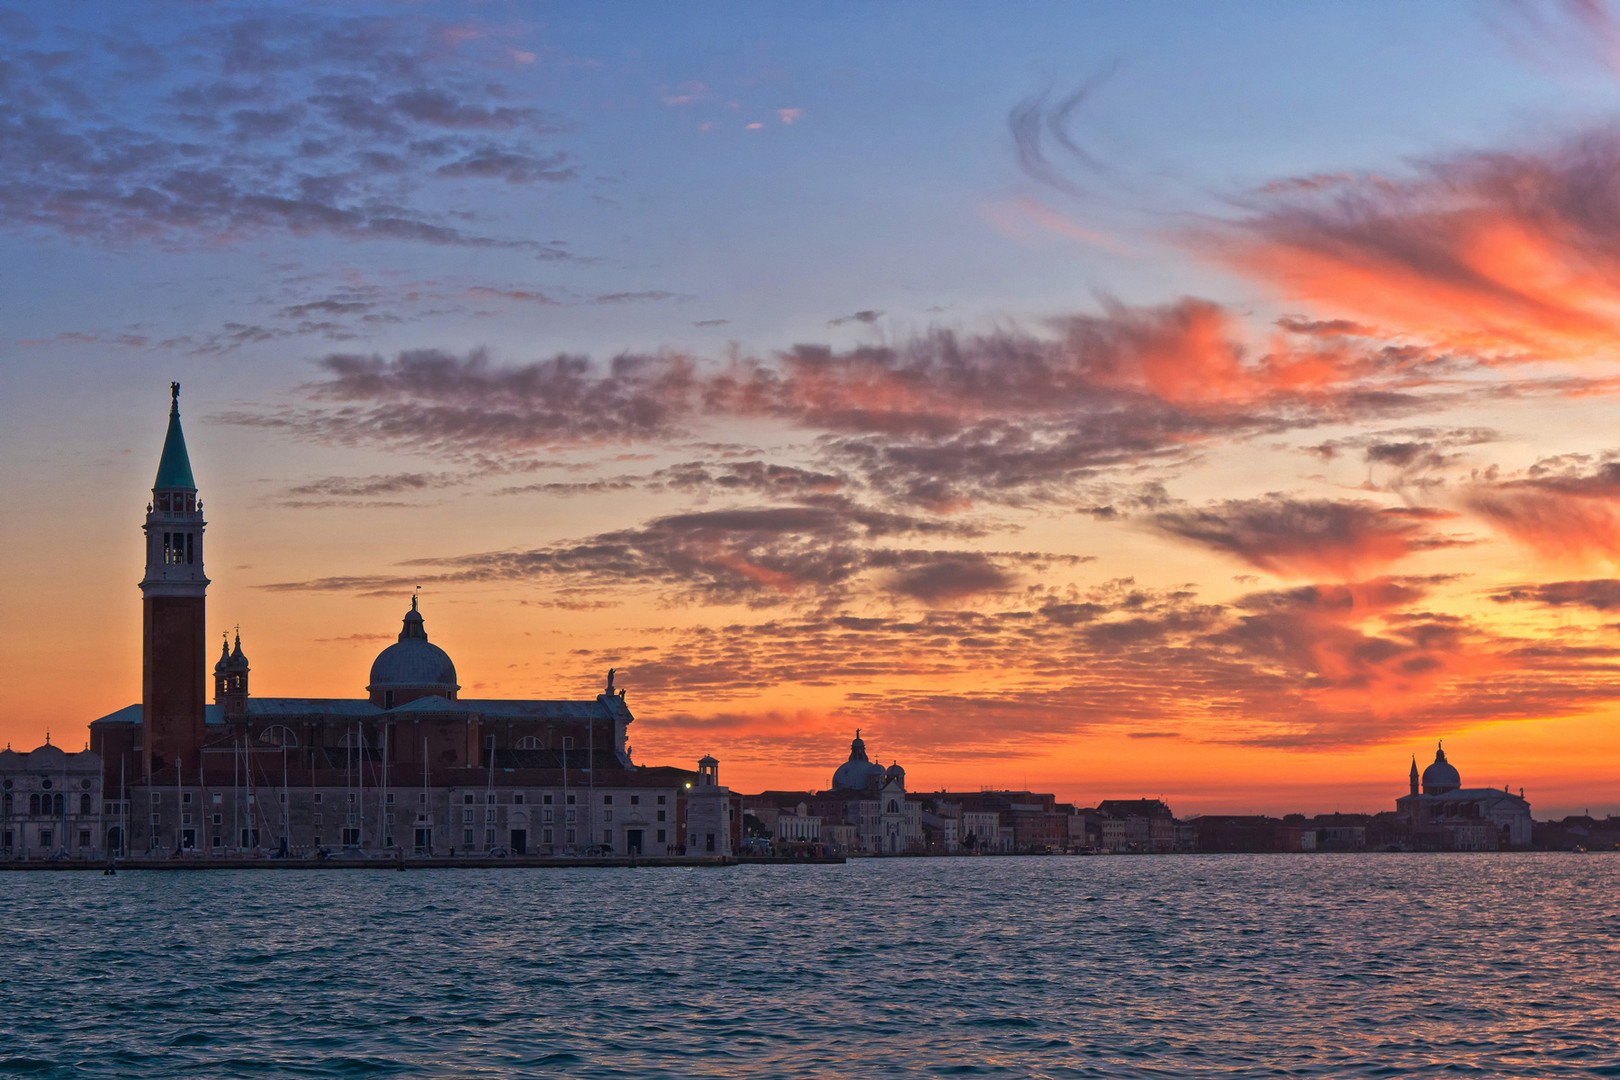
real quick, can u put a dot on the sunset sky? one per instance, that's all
(1214, 402)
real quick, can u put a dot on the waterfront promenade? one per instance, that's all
(475, 862)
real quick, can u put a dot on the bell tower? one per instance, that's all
(175, 663)
(231, 680)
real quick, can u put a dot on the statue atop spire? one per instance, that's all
(174, 467)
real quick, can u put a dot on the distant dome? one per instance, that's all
(1440, 777)
(858, 773)
(414, 664)
(896, 772)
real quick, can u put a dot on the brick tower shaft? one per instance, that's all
(174, 662)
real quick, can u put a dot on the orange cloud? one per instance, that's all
(1560, 528)
(1560, 510)
(1303, 537)
(1511, 255)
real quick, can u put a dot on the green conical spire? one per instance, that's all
(174, 468)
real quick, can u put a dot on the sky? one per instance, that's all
(1208, 402)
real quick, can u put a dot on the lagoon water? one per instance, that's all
(1172, 966)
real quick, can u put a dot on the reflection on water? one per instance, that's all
(1231, 966)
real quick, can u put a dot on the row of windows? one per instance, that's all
(468, 799)
(9, 839)
(545, 837)
(45, 783)
(350, 838)
(529, 742)
(282, 735)
(50, 805)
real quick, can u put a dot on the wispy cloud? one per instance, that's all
(938, 420)
(270, 125)
(1313, 667)
(1566, 509)
(1508, 254)
(1307, 537)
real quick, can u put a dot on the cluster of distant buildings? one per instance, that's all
(867, 810)
(414, 768)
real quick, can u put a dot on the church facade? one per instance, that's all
(865, 809)
(1442, 814)
(409, 766)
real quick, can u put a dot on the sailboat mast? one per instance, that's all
(384, 811)
(590, 779)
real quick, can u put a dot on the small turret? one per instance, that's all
(1413, 776)
(231, 681)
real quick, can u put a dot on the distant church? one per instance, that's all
(1443, 814)
(412, 765)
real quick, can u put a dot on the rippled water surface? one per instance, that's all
(1232, 966)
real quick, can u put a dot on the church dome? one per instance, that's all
(858, 773)
(1440, 777)
(413, 663)
(896, 772)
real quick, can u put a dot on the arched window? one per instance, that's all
(84, 803)
(278, 735)
(894, 807)
(33, 804)
(528, 742)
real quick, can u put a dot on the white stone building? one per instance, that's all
(712, 816)
(875, 802)
(984, 826)
(51, 805)
(798, 826)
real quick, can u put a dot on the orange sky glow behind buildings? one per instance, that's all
(1054, 445)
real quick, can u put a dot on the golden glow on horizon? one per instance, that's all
(978, 455)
